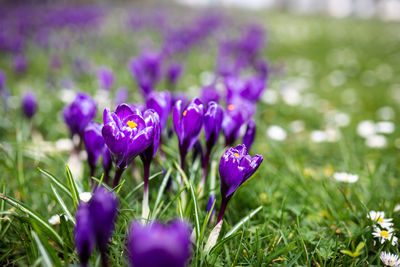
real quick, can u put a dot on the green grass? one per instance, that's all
(307, 218)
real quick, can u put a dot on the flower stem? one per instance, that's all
(182, 153)
(206, 165)
(104, 258)
(221, 213)
(145, 203)
(118, 172)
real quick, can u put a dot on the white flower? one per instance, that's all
(390, 259)
(64, 144)
(397, 208)
(376, 141)
(341, 119)
(276, 133)
(385, 235)
(270, 96)
(366, 128)
(345, 177)
(297, 126)
(85, 196)
(379, 217)
(385, 113)
(291, 96)
(55, 219)
(332, 134)
(318, 136)
(385, 127)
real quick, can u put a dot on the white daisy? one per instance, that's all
(390, 259)
(385, 235)
(85, 196)
(379, 217)
(276, 133)
(366, 128)
(376, 141)
(385, 127)
(345, 177)
(54, 220)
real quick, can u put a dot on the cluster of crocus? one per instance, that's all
(95, 224)
(383, 227)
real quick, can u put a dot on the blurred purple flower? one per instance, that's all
(174, 72)
(250, 134)
(121, 96)
(2, 80)
(158, 245)
(20, 64)
(29, 104)
(209, 93)
(84, 235)
(94, 143)
(105, 78)
(161, 102)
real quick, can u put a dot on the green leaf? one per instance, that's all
(218, 246)
(360, 246)
(161, 191)
(242, 221)
(73, 188)
(196, 210)
(42, 251)
(351, 254)
(141, 185)
(62, 204)
(36, 217)
(55, 181)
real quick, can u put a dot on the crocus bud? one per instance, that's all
(152, 120)
(105, 78)
(29, 104)
(94, 143)
(212, 123)
(84, 236)
(187, 124)
(126, 134)
(146, 69)
(235, 168)
(209, 93)
(106, 160)
(103, 207)
(158, 245)
(249, 135)
(79, 113)
(19, 64)
(161, 102)
(210, 205)
(174, 72)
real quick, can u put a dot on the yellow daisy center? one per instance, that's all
(184, 113)
(380, 220)
(132, 124)
(384, 233)
(231, 107)
(237, 155)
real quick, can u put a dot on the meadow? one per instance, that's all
(325, 127)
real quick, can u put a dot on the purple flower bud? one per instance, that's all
(187, 124)
(237, 112)
(210, 93)
(84, 236)
(146, 69)
(2, 80)
(212, 123)
(161, 102)
(107, 159)
(94, 143)
(105, 78)
(253, 88)
(210, 204)
(19, 63)
(152, 120)
(29, 104)
(126, 133)
(121, 96)
(79, 113)
(174, 72)
(103, 207)
(249, 135)
(158, 245)
(235, 168)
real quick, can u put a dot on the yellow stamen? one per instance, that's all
(237, 155)
(132, 124)
(184, 113)
(384, 233)
(380, 220)
(231, 107)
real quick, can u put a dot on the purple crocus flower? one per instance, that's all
(212, 127)
(19, 64)
(146, 69)
(235, 168)
(161, 102)
(105, 78)
(210, 93)
(79, 113)
(187, 124)
(174, 72)
(84, 236)
(250, 134)
(95, 224)
(29, 104)
(94, 143)
(158, 245)
(237, 112)
(103, 207)
(253, 88)
(152, 120)
(127, 134)
(121, 96)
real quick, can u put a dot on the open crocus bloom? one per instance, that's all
(126, 133)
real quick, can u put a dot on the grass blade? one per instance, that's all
(62, 204)
(55, 181)
(72, 186)
(36, 217)
(161, 191)
(42, 251)
(196, 211)
(242, 221)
